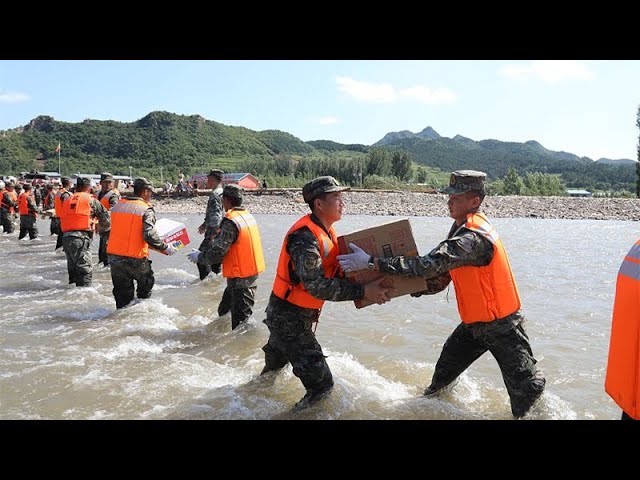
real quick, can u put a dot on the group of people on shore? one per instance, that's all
(311, 271)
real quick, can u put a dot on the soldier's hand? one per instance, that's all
(193, 256)
(377, 293)
(201, 229)
(352, 262)
(171, 250)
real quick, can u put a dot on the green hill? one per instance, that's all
(176, 142)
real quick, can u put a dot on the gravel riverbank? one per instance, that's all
(425, 204)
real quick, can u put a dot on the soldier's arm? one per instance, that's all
(222, 243)
(466, 249)
(305, 256)
(149, 232)
(113, 199)
(31, 205)
(216, 213)
(101, 214)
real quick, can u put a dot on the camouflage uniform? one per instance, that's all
(505, 337)
(28, 221)
(6, 217)
(124, 270)
(239, 296)
(77, 246)
(63, 196)
(291, 337)
(48, 203)
(104, 234)
(213, 218)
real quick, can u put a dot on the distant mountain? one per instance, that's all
(495, 157)
(428, 134)
(394, 137)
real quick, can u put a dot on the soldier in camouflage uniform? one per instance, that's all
(307, 275)
(108, 197)
(48, 202)
(488, 301)
(28, 213)
(8, 207)
(212, 219)
(239, 296)
(132, 233)
(61, 195)
(76, 239)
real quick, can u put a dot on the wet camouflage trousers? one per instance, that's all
(508, 342)
(291, 340)
(79, 267)
(6, 219)
(102, 248)
(239, 301)
(124, 272)
(204, 269)
(28, 225)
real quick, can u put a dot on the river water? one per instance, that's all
(66, 353)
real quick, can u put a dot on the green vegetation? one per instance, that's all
(165, 144)
(533, 184)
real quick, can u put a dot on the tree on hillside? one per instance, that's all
(421, 175)
(513, 184)
(401, 165)
(378, 162)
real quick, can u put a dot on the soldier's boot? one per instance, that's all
(312, 397)
(433, 390)
(521, 406)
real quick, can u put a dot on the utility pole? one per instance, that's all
(161, 177)
(130, 173)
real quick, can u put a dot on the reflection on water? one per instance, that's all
(66, 353)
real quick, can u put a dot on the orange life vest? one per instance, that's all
(58, 201)
(23, 205)
(14, 198)
(622, 381)
(486, 293)
(76, 213)
(126, 237)
(47, 201)
(105, 199)
(244, 258)
(296, 293)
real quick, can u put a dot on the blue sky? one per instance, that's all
(584, 107)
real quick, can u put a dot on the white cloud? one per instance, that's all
(387, 93)
(551, 71)
(327, 120)
(13, 97)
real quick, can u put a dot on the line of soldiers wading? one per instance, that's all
(310, 271)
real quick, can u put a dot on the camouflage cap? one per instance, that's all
(106, 176)
(463, 181)
(142, 182)
(216, 173)
(320, 185)
(233, 191)
(83, 182)
(64, 180)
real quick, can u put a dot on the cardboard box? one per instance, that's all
(386, 240)
(172, 232)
